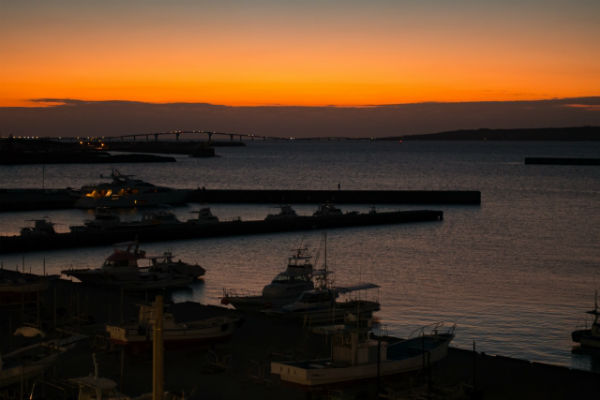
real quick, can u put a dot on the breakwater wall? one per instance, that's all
(50, 199)
(470, 197)
(153, 233)
(562, 161)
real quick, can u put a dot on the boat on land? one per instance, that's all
(95, 387)
(358, 354)
(589, 337)
(121, 270)
(20, 287)
(32, 360)
(125, 192)
(183, 323)
(283, 289)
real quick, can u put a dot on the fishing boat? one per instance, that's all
(166, 263)
(183, 323)
(589, 337)
(205, 216)
(322, 303)
(41, 228)
(357, 354)
(121, 270)
(327, 210)
(124, 192)
(105, 220)
(286, 211)
(283, 289)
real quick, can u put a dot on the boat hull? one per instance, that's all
(207, 331)
(324, 372)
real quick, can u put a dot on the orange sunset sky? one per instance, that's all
(281, 52)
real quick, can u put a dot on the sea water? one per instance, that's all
(515, 274)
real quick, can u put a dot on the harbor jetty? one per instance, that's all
(562, 161)
(49, 199)
(189, 230)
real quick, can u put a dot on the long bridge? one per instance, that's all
(178, 133)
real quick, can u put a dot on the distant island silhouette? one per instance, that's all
(583, 133)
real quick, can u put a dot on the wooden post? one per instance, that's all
(157, 354)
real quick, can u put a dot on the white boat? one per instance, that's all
(356, 355)
(283, 289)
(323, 305)
(589, 337)
(121, 270)
(183, 323)
(125, 192)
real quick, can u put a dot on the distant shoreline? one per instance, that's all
(573, 134)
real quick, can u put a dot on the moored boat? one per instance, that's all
(40, 229)
(283, 289)
(121, 270)
(286, 211)
(322, 305)
(125, 192)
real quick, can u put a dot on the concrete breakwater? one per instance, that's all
(153, 233)
(46, 199)
(470, 197)
(562, 161)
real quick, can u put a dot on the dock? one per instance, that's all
(19, 244)
(53, 199)
(562, 161)
(465, 197)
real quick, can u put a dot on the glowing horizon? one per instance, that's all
(299, 54)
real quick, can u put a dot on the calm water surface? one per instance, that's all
(515, 274)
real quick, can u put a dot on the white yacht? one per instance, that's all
(124, 192)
